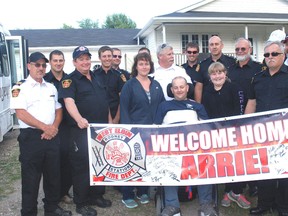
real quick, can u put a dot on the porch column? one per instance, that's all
(246, 32)
(164, 33)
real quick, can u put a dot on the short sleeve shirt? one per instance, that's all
(89, 96)
(38, 99)
(270, 92)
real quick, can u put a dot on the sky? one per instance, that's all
(52, 14)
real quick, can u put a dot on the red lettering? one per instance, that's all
(251, 161)
(225, 164)
(264, 160)
(206, 166)
(189, 168)
(239, 163)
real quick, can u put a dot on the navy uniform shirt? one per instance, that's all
(89, 96)
(113, 85)
(193, 72)
(204, 78)
(49, 77)
(224, 102)
(243, 75)
(270, 92)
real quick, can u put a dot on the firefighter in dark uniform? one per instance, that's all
(242, 71)
(112, 81)
(54, 76)
(39, 115)
(269, 91)
(192, 65)
(86, 102)
(215, 46)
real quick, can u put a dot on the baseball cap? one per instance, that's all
(34, 57)
(277, 35)
(80, 50)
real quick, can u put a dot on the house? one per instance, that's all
(197, 22)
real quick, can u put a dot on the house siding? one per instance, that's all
(246, 6)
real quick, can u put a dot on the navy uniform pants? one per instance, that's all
(39, 157)
(65, 165)
(273, 193)
(79, 157)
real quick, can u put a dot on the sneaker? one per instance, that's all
(58, 212)
(144, 199)
(170, 211)
(130, 203)
(86, 211)
(226, 202)
(207, 210)
(240, 200)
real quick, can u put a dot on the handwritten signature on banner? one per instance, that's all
(239, 148)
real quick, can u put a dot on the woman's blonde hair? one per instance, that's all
(217, 66)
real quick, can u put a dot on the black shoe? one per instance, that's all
(259, 210)
(58, 212)
(101, 202)
(86, 211)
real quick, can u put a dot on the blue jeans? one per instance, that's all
(171, 195)
(128, 193)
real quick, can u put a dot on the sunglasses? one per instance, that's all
(238, 49)
(192, 52)
(273, 54)
(117, 56)
(37, 65)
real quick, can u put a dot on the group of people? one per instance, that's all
(55, 108)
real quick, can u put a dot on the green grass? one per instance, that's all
(9, 171)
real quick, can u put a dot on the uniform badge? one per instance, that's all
(123, 78)
(66, 83)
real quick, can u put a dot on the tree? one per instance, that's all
(88, 24)
(119, 21)
(65, 26)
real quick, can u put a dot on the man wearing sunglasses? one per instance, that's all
(39, 114)
(269, 91)
(116, 61)
(192, 53)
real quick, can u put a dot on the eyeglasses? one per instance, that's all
(163, 45)
(117, 56)
(37, 65)
(273, 54)
(192, 52)
(238, 49)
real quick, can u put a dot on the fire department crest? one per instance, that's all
(117, 154)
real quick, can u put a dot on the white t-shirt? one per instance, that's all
(165, 76)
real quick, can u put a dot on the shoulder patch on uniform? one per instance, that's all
(123, 77)
(197, 68)
(15, 90)
(66, 83)
(264, 68)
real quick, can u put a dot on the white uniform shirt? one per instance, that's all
(40, 100)
(165, 75)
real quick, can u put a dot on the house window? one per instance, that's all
(205, 43)
(185, 40)
(201, 39)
